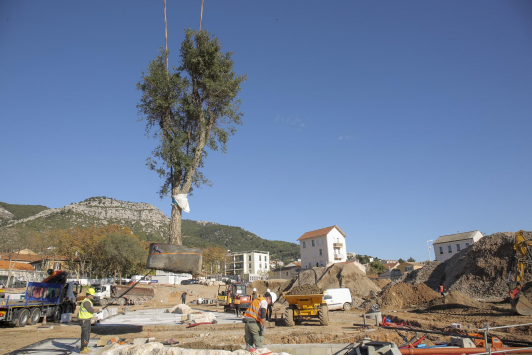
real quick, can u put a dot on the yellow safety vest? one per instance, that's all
(83, 313)
(254, 310)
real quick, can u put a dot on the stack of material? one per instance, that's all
(179, 309)
(159, 349)
(479, 271)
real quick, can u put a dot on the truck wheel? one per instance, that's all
(122, 301)
(23, 317)
(323, 315)
(103, 302)
(57, 314)
(289, 317)
(35, 316)
(347, 306)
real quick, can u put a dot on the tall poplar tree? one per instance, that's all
(187, 109)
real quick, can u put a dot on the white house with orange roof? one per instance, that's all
(322, 247)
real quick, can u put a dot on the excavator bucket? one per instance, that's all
(174, 258)
(521, 305)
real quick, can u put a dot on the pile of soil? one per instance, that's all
(479, 271)
(454, 299)
(335, 276)
(306, 290)
(263, 285)
(381, 282)
(401, 295)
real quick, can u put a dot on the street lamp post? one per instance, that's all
(428, 248)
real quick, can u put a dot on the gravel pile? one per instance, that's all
(306, 290)
(480, 271)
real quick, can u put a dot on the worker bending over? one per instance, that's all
(255, 319)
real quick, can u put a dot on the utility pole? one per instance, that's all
(428, 248)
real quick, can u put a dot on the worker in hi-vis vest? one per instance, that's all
(255, 319)
(86, 311)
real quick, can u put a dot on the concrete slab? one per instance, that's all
(158, 317)
(55, 346)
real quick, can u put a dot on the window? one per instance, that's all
(441, 250)
(304, 244)
(313, 242)
(260, 257)
(320, 241)
(265, 258)
(409, 268)
(321, 252)
(457, 247)
(249, 265)
(287, 273)
(249, 258)
(466, 244)
(450, 248)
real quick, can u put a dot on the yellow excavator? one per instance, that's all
(521, 257)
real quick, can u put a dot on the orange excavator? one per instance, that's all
(521, 258)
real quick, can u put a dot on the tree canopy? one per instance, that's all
(187, 109)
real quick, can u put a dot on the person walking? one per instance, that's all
(184, 297)
(255, 320)
(86, 312)
(254, 294)
(441, 290)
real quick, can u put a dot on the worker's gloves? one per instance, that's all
(262, 330)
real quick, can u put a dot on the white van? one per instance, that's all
(338, 298)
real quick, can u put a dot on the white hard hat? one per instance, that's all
(268, 290)
(254, 289)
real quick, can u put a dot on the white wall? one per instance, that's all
(439, 256)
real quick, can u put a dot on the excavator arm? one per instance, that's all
(521, 257)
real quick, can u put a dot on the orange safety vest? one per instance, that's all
(441, 289)
(254, 310)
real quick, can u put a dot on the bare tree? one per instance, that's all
(12, 242)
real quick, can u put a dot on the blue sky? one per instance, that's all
(398, 121)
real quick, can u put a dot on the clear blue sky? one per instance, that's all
(398, 121)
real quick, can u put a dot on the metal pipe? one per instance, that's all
(478, 351)
(507, 326)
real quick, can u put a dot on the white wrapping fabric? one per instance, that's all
(182, 201)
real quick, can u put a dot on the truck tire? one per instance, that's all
(57, 314)
(103, 302)
(122, 301)
(347, 306)
(23, 317)
(35, 316)
(289, 317)
(323, 315)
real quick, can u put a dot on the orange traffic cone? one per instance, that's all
(43, 325)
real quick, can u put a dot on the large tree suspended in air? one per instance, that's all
(187, 109)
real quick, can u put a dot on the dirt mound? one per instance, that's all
(381, 282)
(335, 276)
(478, 271)
(454, 299)
(401, 295)
(263, 285)
(305, 290)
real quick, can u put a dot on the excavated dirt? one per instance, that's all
(454, 299)
(403, 295)
(381, 283)
(335, 276)
(306, 290)
(479, 271)
(263, 285)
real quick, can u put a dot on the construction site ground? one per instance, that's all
(230, 336)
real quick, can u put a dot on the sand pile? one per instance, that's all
(335, 276)
(306, 290)
(454, 299)
(478, 271)
(263, 285)
(401, 295)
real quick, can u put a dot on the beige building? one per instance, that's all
(448, 245)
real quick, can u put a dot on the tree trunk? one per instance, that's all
(175, 225)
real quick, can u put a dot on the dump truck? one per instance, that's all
(51, 298)
(306, 307)
(113, 294)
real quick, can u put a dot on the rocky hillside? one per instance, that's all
(9, 212)
(148, 223)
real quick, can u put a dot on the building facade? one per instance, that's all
(448, 245)
(249, 262)
(322, 247)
